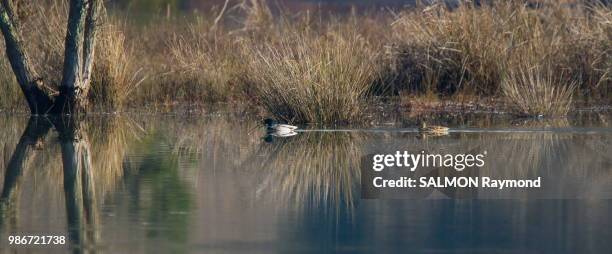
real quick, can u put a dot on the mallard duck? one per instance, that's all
(436, 130)
(273, 126)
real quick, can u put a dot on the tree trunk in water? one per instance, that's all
(78, 59)
(78, 56)
(89, 45)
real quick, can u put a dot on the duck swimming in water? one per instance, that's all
(432, 130)
(277, 130)
(273, 126)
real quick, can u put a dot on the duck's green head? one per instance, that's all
(269, 122)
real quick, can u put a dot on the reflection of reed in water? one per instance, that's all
(310, 169)
(212, 139)
(566, 161)
(530, 153)
(110, 139)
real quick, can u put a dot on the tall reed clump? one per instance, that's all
(538, 91)
(304, 77)
(116, 73)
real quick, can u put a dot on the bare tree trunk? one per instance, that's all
(78, 59)
(91, 24)
(31, 85)
(78, 56)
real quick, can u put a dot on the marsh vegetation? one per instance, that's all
(316, 67)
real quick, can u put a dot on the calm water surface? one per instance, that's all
(215, 184)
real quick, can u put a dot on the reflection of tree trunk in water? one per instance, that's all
(78, 182)
(24, 153)
(78, 178)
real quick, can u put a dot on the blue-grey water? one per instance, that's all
(215, 184)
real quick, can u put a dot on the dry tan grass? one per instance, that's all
(471, 49)
(308, 67)
(206, 62)
(116, 74)
(534, 91)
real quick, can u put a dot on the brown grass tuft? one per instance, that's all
(534, 91)
(305, 77)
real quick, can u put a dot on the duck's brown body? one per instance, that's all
(436, 130)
